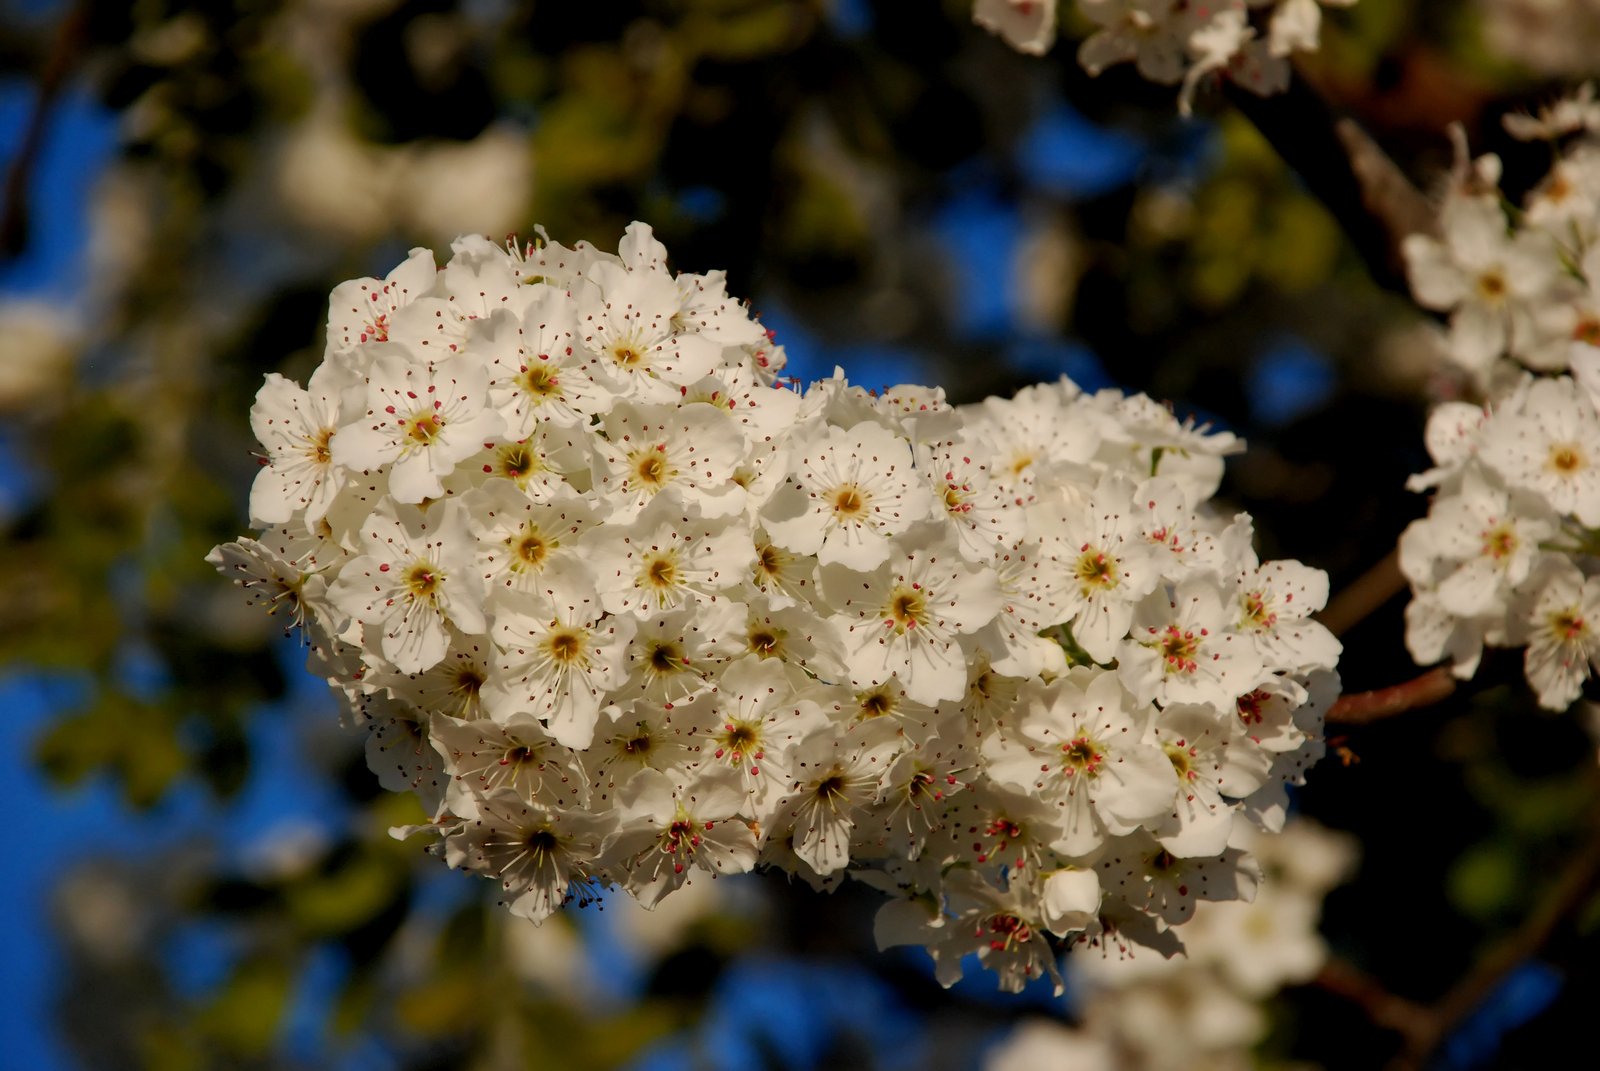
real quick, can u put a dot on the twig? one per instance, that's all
(14, 206)
(1346, 170)
(1364, 595)
(1361, 708)
(1383, 1008)
(1559, 903)
(1422, 1027)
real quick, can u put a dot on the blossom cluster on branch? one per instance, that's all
(1174, 41)
(1207, 1008)
(1506, 555)
(623, 608)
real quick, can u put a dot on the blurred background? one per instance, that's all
(203, 876)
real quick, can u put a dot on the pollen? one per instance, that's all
(516, 461)
(565, 645)
(1500, 541)
(651, 468)
(531, 550)
(1096, 572)
(660, 572)
(422, 580)
(540, 380)
(1492, 287)
(1565, 459)
(425, 428)
(320, 449)
(906, 610)
(849, 502)
(1082, 755)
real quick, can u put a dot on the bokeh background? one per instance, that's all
(199, 873)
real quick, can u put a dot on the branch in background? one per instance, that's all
(1361, 708)
(1347, 171)
(1560, 903)
(70, 35)
(1364, 595)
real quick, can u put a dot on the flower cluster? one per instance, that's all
(1504, 556)
(1520, 284)
(1171, 41)
(1205, 1009)
(623, 609)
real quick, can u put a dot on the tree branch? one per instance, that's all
(1362, 708)
(1346, 170)
(1364, 595)
(69, 39)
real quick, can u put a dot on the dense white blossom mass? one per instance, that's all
(625, 608)
(1507, 554)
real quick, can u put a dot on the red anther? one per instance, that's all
(384, 568)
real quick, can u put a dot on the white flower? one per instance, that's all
(1185, 649)
(537, 369)
(688, 455)
(848, 494)
(1098, 567)
(296, 427)
(1027, 25)
(1490, 280)
(422, 418)
(538, 853)
(1475, 546)
(669, 830)
(1551, 445)
(415, 574)
(1077, 748)
(362, 311)
(560, 656)
(914, 616)
(1563, 633)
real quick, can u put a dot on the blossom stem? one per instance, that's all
(1363, 707)
(1364, 595)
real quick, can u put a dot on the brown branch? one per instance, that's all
(1364, 595)
(1383, 1008)
(1422, 1027)
(1344, 169)
(70, 35)
(1560, 902)
(1362, 708)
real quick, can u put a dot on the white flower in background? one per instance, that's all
(1562, 627)
(621, 610)
(1489, 279)
(1548, 441)
(1027, 25)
